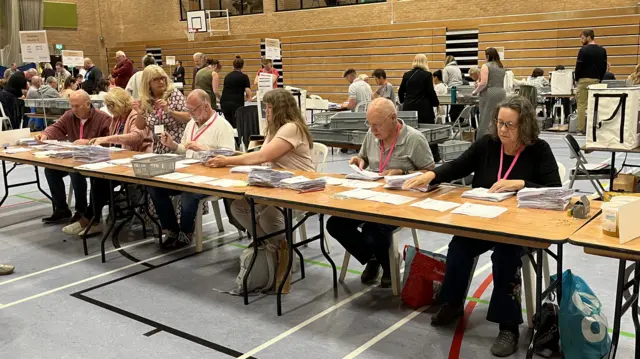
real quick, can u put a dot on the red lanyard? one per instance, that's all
(393, 147)
(81, 129)
(200, 132)
(515, 159)
(116, 129)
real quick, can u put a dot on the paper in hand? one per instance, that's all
(158, 129)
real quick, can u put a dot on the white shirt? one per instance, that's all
(213, 134)
(133, 86)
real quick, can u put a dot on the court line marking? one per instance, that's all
(86, 258)
(54, 290)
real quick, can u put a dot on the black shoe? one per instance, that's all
(506, 343)
(446, 315)
(370, 273)
(182, 240)
(385, 281)
(344, 150)
(170, 240)
(76, 217)
(58, 217)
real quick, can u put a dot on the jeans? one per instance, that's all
(582, 99)
(55, 179)
(161, 198)
(505, 307)
(372, 241)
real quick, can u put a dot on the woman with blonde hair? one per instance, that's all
(123, 131)
(287, 145)
(417, 93)
(634, 78)
(160, 104)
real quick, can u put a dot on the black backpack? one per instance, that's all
(548, 339)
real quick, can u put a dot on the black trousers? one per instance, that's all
(505, 307)
(55, 179)
(372, 241)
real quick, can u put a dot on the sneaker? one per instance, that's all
(506, 344)
(6, 269)
(76, 217)
(73, 229)
(446, 315)
(58, 217)
(183, 240)
(385, 281)
(95, 229)
(170, 240)
(370, 273)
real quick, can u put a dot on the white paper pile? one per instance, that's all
(247, 169)
(122, 162)
(12, 150)
(27, 142)
(227, 183)
(303, 184)
(360, 184)
(436, 205)
(553, 198)
(363, 174)
(333, 181)
(479, 210)
(360, 193)
(61, 154)
(396, 182)
(268, 177)
(174, 176)
(186, 163)
(222, 152)
(484, 195)
(91, 154)
(96, 166)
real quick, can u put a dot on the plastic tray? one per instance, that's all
(436, 133)
(323, 117)
(320, 133)
(154, 166)
(452, 149)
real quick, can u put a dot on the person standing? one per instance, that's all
(205, 80)
(61, 73)
(452, 76)
(386, 89)
(123, 70)
(359, 92)
(267, 68)
(200, 61)
(178, 73)
(92, 77)
(10, 71)
(416, 90)
(135, 82)
(236, 90)
(47, 71)
(591, 66)
(490, 88)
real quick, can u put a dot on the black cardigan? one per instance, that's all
(416, 93)
(536, 165)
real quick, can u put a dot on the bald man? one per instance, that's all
(207, 130)
(78, 125)
(390, 148)
(36, 82)
(123, 70)
(92, 77)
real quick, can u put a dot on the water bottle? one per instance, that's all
(454, 91)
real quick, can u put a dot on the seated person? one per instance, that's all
(32, 92)
(10, 95)
(528, 162)
(78, 125)
(389, 148)
(287, 145)
(207, 130)
(122, 132)
(49, 89)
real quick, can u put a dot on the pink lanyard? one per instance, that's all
(515, 159)
(393, 147)
(200, 132)
(81, 129)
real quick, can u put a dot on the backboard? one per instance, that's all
(197, 21)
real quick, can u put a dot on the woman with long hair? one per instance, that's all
(634, 78)
(490, 88)
(236, 90)
(70, 85)
(287, 145)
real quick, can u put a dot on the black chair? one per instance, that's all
(580, 172)
(247, 123)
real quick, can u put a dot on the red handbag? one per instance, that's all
(425, 275)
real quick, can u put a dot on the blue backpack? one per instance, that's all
(583, 326)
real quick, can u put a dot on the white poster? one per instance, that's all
(265, 82)
(171, 60)
(272, 49)
(72, 58)
(34, 46)
(500, 52)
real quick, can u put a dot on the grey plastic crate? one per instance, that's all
(436, 133)
(154, 166)
(321, 134)
(323, 117)
(358, 136)
(452, 149)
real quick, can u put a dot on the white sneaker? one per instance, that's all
(73, 229)
(6, 269)
(93, 230)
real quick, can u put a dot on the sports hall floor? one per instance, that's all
(62, 304)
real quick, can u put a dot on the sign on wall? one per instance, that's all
(272, 49)
(34, 46)
(171, 60)
(72, 58)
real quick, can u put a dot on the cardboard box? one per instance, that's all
(625, 183)
(468, 135)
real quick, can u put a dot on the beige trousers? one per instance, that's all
(582, 99)
(268, 219)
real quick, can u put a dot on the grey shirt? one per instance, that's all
(387, 91)
(411, 153)
(361, 91)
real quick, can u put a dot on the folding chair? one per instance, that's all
(580, 172)
(462, 122)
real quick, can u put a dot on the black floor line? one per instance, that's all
(158, 326)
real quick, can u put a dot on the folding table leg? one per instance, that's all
(634, 306)
(288, 224)
(539, 290)
(618, 309)
(254, 227)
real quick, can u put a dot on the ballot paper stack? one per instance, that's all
(364, 175)
(553, 198)
(91, 154)
(268, 177)
(248, 169)
(27, 142)
(62, 154)
(483, 194)
(222, 152)
(396, 182)
(304, 184)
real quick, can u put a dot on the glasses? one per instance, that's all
(196, 108)
(377, 126)
(509, 125)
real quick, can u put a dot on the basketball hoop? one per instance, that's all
(191, 33)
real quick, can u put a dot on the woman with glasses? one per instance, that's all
(510, 158)
(390, 148)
